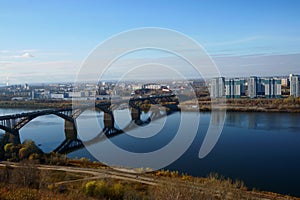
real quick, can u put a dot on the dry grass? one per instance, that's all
(30, 183)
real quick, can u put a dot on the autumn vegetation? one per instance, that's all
(289, 104)
(27, 181)
(35, 104)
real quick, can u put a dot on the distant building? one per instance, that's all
(290, 77)
(165, 88)
(260, 87)
(234, 88)
(243, 87)
(75, 94)
(229, 88)
(40, 94)
(217, 87)
(57, 96)
(253, 87)
(285, 82)
(272, 87)
(295, 85)
(32, 94)
(26, 86)
(152, 86)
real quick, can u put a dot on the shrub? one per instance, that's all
(101, 189)
(96, 189)
(90, 188)
(117, 191)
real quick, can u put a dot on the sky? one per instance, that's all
(47, 41)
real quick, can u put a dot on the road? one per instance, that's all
(92, 174)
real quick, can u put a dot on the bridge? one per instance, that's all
(12, 124)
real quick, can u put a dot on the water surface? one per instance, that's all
(262, 149)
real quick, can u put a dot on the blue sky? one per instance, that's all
(43, 38)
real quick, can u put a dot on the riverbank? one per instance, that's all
(230, 105)
(35, 104)
(75, 176)
(287, 105)
(83, 179)
(290, 105)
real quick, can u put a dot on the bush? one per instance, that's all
(19, 152)
(117, 191)
(96, 189)
(101, 189)
(90, 188)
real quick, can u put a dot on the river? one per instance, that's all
(262, 149)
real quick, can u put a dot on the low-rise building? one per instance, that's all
(57, 96)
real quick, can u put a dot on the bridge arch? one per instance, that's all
(28, 119)
(48, 132)
(12, 124)
(7, 129)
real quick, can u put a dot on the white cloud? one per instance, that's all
(9, 54)
(25, 55)
(29, 50)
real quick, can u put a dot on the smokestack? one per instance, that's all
(7, 81)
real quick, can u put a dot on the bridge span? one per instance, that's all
(11, 124)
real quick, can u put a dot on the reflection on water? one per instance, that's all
(43, 123)
(264, 121)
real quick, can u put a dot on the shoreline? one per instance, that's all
(288, 105)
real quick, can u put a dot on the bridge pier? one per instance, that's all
(135, 114)
(71, 141)
(70, 130)
(108, 119)
(12, 138)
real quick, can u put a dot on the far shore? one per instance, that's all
(285, 105)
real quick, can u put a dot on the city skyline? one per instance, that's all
(48, 41)
(154, 81)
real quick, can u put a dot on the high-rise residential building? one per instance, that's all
(295, 85)
(260, 87)
(229, 88)
(234, 88)
(237, 88)
(285, 82)
(243, 88)
(277, 86)
(255, 87)
(252, 87)
(217, 87)
(290, 77)
(272, 87)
